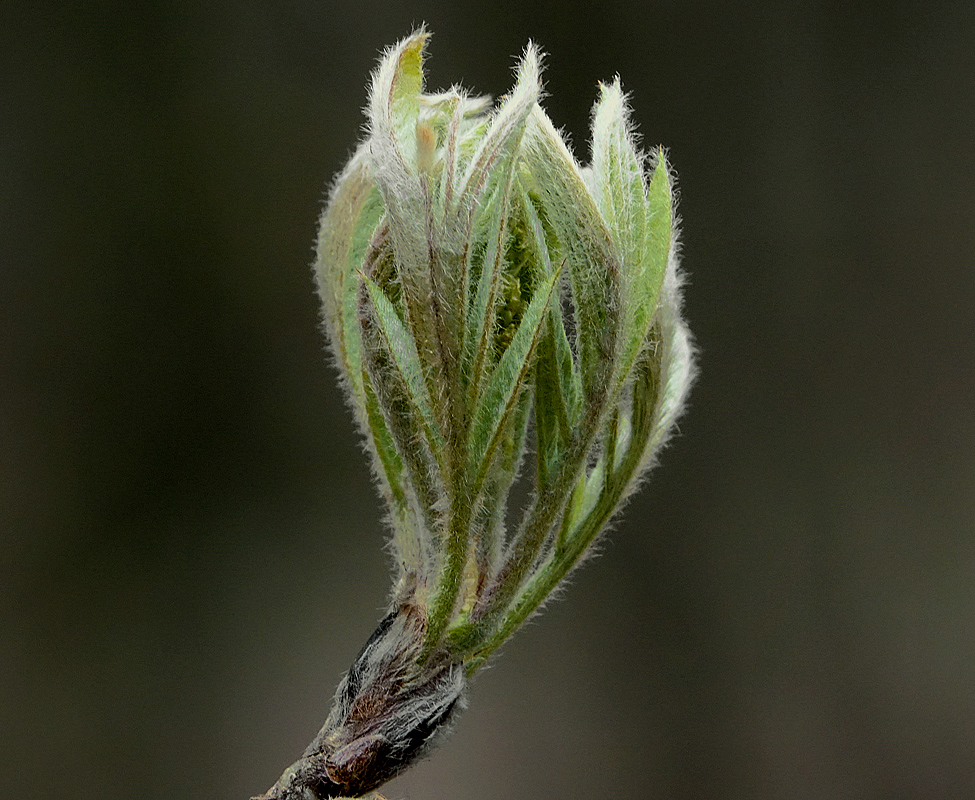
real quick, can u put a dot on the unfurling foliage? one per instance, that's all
(486, 297)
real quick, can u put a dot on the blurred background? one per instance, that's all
(190, 545)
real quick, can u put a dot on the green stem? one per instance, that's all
(554, 569)
(560, 561)
(455, 558)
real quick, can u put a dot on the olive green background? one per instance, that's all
(190, 546)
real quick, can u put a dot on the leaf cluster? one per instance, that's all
(488, 297)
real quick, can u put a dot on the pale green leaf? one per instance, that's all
(499, 144)
(407, 536)
(618, 175)
(402, 349)
(569, 381)
(394, 109)
(551, 177)
(346, 230)
(648, 276)
(394, 98)
(484, 204)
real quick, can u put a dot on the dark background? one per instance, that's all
(190, 547)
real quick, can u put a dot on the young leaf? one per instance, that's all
(409, 544)
(489, 179)
(562, 372)
(617, 169)
(346, 230)
(394, 100)
(550, 174)
(648, 276)
(499, 399)
(394, 109)
(402, 349)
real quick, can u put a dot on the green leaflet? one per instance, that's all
(558, 386)
(347, 228)
(499, 399)
(489, 178)
(648, 276)
(394, 110)
(551, 174)
(659, 234)
(499, 146)
(618, 174)
(614, 474)
(406, 534)
(403, 438)
(347, 234)
(490, 256)
(396, 91)
(402, 349)
(551, 421)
